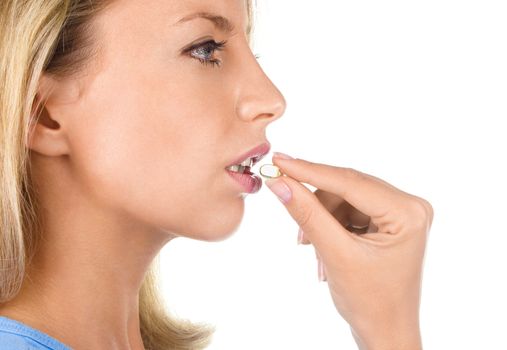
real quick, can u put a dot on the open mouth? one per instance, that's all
(242, 173)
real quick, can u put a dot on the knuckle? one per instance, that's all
(421, 212)
(353, 174)
(429, 209)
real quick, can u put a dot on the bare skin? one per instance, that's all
(114, 159)
(374, 277)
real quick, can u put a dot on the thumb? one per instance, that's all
(320, 227)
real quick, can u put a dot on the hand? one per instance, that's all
(374, 277)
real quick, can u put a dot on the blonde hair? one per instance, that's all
(56, 37)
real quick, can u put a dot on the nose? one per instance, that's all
(259, 98)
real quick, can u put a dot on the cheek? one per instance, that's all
(153, 158)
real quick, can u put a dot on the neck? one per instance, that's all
(83, 284)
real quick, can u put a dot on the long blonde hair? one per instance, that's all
(55, 37)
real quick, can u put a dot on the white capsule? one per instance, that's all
(270, 171)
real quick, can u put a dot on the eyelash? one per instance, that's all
(214, 46)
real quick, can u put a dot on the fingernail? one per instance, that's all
(280, 188)
(300, 236)
(281, 155)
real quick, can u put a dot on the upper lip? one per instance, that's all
(257, 153)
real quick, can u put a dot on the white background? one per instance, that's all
(414, 92)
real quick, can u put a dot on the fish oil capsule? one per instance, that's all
(270, 171)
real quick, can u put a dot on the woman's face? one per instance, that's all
(154, 128)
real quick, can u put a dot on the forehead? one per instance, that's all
(169, 14)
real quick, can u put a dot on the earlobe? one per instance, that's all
(45, 134)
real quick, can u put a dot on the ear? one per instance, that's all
(49, 117)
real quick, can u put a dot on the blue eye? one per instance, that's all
(204, 51)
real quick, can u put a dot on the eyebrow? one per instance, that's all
(220, 22)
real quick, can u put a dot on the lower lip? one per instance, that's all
(251, 183)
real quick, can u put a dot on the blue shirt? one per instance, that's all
(15, 335)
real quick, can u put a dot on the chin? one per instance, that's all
(218, 236)
(220, 225)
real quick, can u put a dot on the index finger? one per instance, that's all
(369, 194)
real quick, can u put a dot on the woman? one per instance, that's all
(119, 119)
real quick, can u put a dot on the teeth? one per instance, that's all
(237, 168)
(247, 162)
(240, 168)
